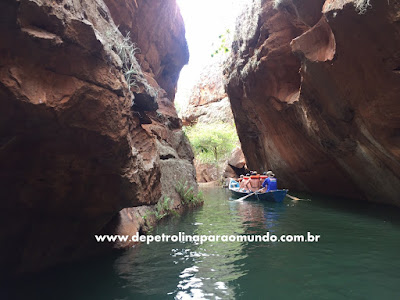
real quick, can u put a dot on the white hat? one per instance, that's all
(269, 173)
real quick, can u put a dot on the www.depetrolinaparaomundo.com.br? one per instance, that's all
(186, 238)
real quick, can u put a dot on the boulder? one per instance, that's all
(237, 158)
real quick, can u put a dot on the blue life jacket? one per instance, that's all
(272, 184)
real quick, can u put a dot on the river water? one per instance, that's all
(357, 256)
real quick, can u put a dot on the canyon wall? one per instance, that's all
(89, 135)
(314, 88)
(208, 101)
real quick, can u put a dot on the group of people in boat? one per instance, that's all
(254, 182)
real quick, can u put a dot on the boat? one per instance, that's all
(275, 196)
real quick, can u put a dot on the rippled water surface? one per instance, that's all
(357, 257)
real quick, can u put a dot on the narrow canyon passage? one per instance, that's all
(312, 96)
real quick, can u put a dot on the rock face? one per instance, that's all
(234, 166)
(206, 172)
(82, 136)
(158, 30)
(237, 159)
(208, 102)
(314, 90)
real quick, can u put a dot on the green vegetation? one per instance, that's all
(162, 209)
(212, 143)
(187, 194)
(223, 46)
(126, 50)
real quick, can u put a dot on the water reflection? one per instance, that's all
(221, 270)
(217, 263)
(258, 215)
(195, 270)
(364, 244)
(273, 215)
(251, 214)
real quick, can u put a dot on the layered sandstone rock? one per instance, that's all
(233, 167)
(208, 101)
(237, 159)
(77, 144)
(314, 90)
(206, 172)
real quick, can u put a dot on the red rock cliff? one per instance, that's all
(314, 88)
(208, 101)
(77, 144)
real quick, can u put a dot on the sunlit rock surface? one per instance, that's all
(73, 149)
(208, 101)
(314, 88)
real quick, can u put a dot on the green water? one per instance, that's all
(357, 257)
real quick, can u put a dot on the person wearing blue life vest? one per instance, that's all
(271, 182)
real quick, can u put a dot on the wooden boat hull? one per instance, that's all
(274, 196)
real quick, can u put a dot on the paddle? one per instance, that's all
(242, 198)
(297, 199)
(256, 192)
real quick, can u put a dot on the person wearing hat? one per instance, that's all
(271, 182)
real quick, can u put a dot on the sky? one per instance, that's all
(204, 21)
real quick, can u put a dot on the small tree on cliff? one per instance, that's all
(212, 143)
(223, 44)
